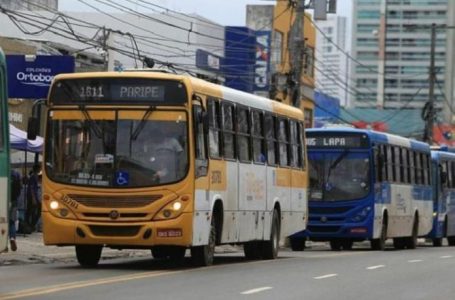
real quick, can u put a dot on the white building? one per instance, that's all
(331, 62)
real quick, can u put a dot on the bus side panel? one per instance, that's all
(252, 201)
(3, 213)
(451, 213)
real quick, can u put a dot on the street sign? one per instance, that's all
(30, 76)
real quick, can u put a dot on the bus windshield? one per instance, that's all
(339, 176)
(117, 148)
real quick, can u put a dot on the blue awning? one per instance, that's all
(18, 140)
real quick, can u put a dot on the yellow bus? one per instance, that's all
(149, 160)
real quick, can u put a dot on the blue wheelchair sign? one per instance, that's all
(122, 178)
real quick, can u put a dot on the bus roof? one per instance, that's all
(376, 137)
(437, 155)
(203, 87)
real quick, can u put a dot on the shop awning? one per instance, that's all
(18, 140)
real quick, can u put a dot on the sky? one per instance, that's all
(224, 12)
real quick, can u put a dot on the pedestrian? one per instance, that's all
(33, 197)
(16, 188)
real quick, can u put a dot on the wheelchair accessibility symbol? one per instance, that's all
(122, 178)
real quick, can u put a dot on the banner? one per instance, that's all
(31, 76)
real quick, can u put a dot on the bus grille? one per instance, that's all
(114, 230)
(122, 215)
(115, 201)
(323, 229)
(329, 210)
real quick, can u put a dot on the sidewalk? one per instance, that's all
(31, 250)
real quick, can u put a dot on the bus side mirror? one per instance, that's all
(32, 128)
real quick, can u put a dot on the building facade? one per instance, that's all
(29, 4)
(394, 62)
(331, 62)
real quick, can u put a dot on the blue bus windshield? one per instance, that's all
(339, 176)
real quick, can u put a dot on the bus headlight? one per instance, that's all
(361, 215)
(54, 205)
(170, 211)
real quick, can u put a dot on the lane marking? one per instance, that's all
(375, 267)
(82, 284)
(257, 290)
(414, 261)
(326, 276)
(446, 256)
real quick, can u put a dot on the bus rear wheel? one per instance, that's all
(203, 255)
(437, 242)
(252, 250)
(88, 256)
(379, 243)
(297, 244)
(269, 248)
(411, 242)
(399, 243)
(451, 240)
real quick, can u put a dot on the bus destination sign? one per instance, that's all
(352, 141)
(108, 90)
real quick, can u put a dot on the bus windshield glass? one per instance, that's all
(117, 148)
(339, 176)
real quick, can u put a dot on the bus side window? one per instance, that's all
(378, 162)
(390, 175)
(397, 160)
(418, 161)
(283, 139)
(426, 179)
(301, 141)
(214, 128)
(270, 137)
(257, 134)
(412, 167)
(404, 165)
(294, 144)
(449, 174)
(228, 130)
(444, 179)
(243, 134)
(453, 173)
(200, 144)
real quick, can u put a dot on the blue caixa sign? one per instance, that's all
(31, 76)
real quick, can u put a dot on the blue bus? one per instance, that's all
(443, 167)
(367, 185)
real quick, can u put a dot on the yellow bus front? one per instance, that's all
(117, 167)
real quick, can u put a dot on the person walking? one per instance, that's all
(33, 197)
(16, 188)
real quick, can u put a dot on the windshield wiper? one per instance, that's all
(141, 124)
(92, 123)
(333, 166)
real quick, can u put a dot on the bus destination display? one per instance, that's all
(352, 141)
(104, 90)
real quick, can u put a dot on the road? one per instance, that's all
(424, 273)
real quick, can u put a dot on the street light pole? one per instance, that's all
(432, 78)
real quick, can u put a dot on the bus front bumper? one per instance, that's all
(127, 235)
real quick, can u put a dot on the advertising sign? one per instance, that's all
(261, 69)
(31, 76)
(208, 61)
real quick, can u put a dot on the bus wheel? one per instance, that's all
(411, 242)
(335, 245)
(347, 244)
(379, 243)
(451, 240)
(88, 256)
(270, 248)
(297, 244)
(252, 250)
(203, 255)
(399, 243)
(437, 242)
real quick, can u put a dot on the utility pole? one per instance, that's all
(381, 54)
(432, 78)
(297, 48)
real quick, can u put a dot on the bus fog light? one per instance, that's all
(166, 213)
(63, 212)
(177, 205)
(54, 204)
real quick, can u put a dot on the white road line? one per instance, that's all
(415, 261)
(257, 290)
(446, 256)
(325, 276)
(375, 267)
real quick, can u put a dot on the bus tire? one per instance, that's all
(297, 244)
(88, 256)
(437, 242)
(399, 243)
(335, 245)
(252, 250)
(269, 248)
(347, 244)
(379, 243)
(203, 255)
(411, 242)
(451, 240)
